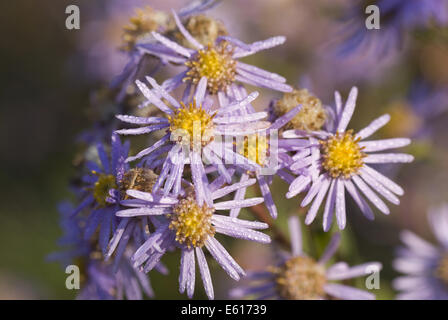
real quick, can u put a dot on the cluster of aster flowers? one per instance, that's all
(206, 145)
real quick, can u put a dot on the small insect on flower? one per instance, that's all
(425, 265)
(218, 61)
(188, 222)
(300, 277)
(338, 160)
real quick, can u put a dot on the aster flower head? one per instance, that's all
(338, 160)
(198, 133)
(138, 30)
(95, 194)
(424, 265)
(300, 277)
(185, 223)
(217, 61)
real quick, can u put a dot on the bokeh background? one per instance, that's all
(50, 77)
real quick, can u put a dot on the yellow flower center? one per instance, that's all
(192, 124)
(141, 179)
(442, 269)
(342, 155)
(300, 278)
(216, 64)
(255, 148)
(192, 223)
(311, 117)
(102, 186)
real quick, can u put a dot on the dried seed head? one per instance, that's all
(142, 179)
(300, 278)
(311, 117)
(140, 25)
(203, 28)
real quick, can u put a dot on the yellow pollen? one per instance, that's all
(192, 223)
(194, 121)
(255, 148)
(300, 278)
(341, 155)
(102, 186)
(442, 269)
(216, 64)
(311, 117)
(141, 179)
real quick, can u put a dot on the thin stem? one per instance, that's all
(260, 212)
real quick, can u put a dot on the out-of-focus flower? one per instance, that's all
(187, 224)
(95, 194)
(203, 28)
(425, 266)
(300, 277)
(218, 62)
(312, 115)
(337, 160)
(397, 18)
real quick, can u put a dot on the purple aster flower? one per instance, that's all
(218, 62)
(338, 160)
(140, 60)
(72, 236)
(184, 223)
(195, 132)
(98, 279)
(300, 277)
(397, 17)
(425, 265)
(104, 283)
(95, 194)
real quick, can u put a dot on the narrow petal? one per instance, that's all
(389, 158)
(384, 144)
(205, 273)
(376, 201)
(374, 126)
(348, 110)
(347, 293)
(362, 204)
(317, 202)
(331, 248)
